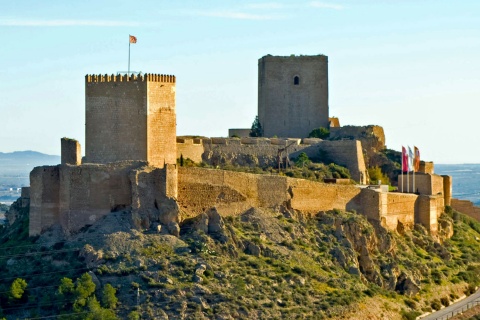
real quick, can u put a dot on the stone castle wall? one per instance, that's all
(264, 152)
(466, 207)
(71, 151)
(77, 196)
(371, 137)
(292, 95)
(234, 192)
(130, 118)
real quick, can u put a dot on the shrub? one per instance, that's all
(321, 133)
(445, 301)
(436, 304)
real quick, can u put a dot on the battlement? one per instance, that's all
(248, 141)
(147, 77)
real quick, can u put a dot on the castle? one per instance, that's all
(131, 159)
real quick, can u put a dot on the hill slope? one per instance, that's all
(261, 264)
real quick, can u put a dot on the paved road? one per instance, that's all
(456, 308)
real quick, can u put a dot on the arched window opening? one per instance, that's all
(296, 80)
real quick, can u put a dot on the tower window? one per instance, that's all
(296, 80)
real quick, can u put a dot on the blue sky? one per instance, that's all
(409, 66)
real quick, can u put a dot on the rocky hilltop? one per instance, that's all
(260, 264)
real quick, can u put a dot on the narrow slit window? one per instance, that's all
(296, 80)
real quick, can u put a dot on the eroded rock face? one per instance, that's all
(360, 243)
(93, 258)
(407, 284)
(210, 223)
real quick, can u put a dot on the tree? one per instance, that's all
(18, 288)
(302, 160)
(109, 299)
(321, 133)
(257, 130)
(84, 288)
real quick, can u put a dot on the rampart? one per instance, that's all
(130, 118)
(77, 196)
(234, 192)
(466, 207)
(264, 152)
(372, 139)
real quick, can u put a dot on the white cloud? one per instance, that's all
(238, 15)
(64, 23)
(325, 5)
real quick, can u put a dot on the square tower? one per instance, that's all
(292, 95)
(130, 118)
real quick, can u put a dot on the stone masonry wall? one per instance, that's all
(161, 123)
(71, 152)
(264, 152)
(130, 118)
(292, 95)
(466, 207)
(234, 192)
(44, 198)
(190, 148)
(429, 184)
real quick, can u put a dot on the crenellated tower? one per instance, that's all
(130, 118)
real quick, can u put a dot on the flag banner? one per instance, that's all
(404, 160)
(417, 159)
(133, 39)
(410, 159)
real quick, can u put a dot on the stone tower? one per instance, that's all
(130, 118)
(292, 95)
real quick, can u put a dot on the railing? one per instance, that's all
(460, 310)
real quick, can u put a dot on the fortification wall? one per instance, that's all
(264, 152)
(292, 95)
(190, 148)
(372, 138)
(44, 198)
(71, 152)
(312, 197)
(91, 191)
(399, 208)
(234, 192)
(427, 184)
(466, 207)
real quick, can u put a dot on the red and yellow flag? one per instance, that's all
(416, 159)
(133, 39)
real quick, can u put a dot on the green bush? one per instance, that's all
(436, 304)
(321, 133)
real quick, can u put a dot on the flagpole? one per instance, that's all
(402, 169)
(128, 72)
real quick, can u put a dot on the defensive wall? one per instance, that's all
(130, 118)
(76, 196)
(466, 207)
(372, 138)
(233, 192)
(264, 152)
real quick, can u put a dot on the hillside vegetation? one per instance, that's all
(277, 264)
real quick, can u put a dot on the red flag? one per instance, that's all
(404, 160)
(133, 39)
(416, 159)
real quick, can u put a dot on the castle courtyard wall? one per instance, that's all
(264, 152)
